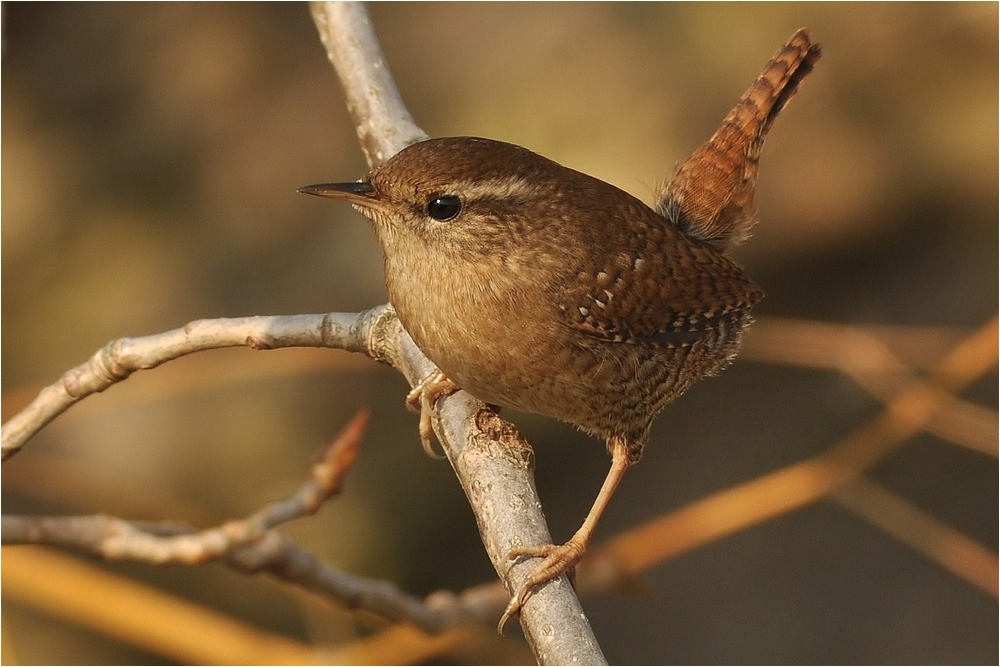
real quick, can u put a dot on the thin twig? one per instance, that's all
(919, 530)
(172, 542)
(251, 546)
(120, 358)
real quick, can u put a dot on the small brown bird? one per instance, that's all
(539, 288)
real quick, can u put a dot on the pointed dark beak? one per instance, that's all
(357, 193)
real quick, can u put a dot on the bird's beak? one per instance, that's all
(359, 193)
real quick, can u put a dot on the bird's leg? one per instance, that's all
(423, 399)
(560, 558)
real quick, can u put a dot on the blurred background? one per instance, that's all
(151, 154)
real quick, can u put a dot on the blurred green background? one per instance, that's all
(151, 154)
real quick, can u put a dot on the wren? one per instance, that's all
(539, 288)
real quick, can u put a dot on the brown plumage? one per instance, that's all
(537, 287)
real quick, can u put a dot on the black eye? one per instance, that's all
(444, 208)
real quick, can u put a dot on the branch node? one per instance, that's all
(382, 339)
(326, 330)
(499, 439)
(255, 342)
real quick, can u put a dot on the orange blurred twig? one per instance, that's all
(932, 538)
(139, 615)
(862, 354)
(773, 494)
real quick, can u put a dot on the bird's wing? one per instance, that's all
(660, 288)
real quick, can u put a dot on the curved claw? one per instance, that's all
(513, 607)
(426, 430)
(557, 560)
(423, 399)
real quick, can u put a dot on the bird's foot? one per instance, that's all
(423, 399)
(557, 560)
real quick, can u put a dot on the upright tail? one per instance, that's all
(712, 195)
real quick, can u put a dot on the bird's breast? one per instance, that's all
(488, 325)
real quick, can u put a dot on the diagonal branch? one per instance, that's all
(384, 125)
(493, 463)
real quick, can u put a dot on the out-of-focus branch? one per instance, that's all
(493, 463)
(862, 354)
(801, 483)
(139, 615)
(175, 543)
(251, 546)
(935, 539)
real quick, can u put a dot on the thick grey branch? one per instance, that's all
(496, 469)
(384, 125)
(493, 463)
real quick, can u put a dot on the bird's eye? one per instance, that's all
(444, 208)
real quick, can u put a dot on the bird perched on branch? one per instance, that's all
(539, 288)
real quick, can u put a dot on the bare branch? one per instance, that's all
(251, 546)
(495, 467)
(120, 358)
(384, 125)
(493, 463)
(176, 543)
